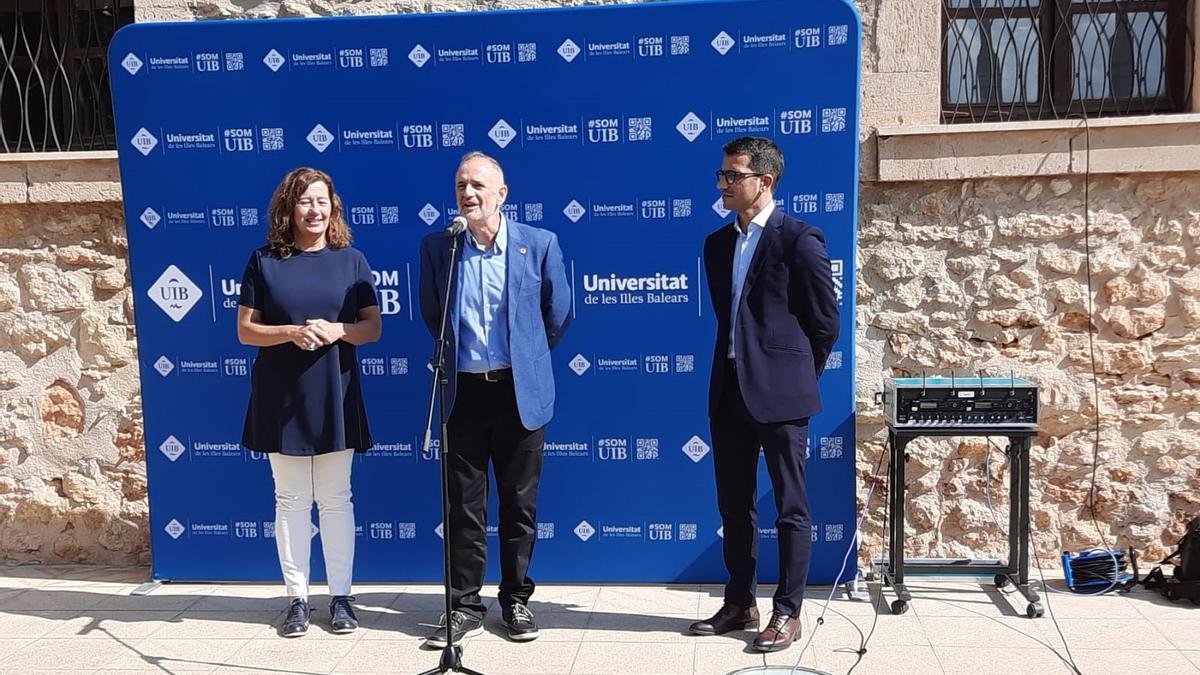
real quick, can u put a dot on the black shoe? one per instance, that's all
(519, 621)
(463, 626)
(341, 614)
(295, 623)
(728, 618)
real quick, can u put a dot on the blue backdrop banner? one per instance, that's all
(609, 123)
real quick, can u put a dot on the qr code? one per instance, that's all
(834, 361)
(526, 52)
(235, 61)
(685, 363)
(453, 135)
(831, 447)
(834, 532)
(399, 364)
(838, 35)
(533, 212)
(681, 208)
(687, 532)
(249, 217)
(379, 57)
(545, 530)
(269, 529)
(406, 530)
(640, 129)
(835, 201)
(833, 119)
(272, 139)
(389, 215)
(680, 44)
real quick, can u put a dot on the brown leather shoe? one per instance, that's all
(729, 617)
(779, 634)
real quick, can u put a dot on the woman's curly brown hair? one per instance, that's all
(281, 236)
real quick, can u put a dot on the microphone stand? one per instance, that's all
(451, 660)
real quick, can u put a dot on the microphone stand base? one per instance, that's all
(451, 662)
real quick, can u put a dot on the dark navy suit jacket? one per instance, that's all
(539, 309)
(787, 321)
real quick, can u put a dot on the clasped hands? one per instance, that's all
(316, 333)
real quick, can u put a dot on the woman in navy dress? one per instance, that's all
(307, 301)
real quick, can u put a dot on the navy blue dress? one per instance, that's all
(307, 403)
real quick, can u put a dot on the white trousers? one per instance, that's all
(298, 482)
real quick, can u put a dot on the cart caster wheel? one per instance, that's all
(1034, 610)
(1000, 580)
(899, 606)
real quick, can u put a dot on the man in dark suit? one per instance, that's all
(509, 304)
(772, 288)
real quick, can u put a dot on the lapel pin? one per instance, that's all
(522, 250)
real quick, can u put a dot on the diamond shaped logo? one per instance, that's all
(579, 364)
(568, 50)
(574, 211)
(429, 214)
(584, 530)
(319, 138)
(131, 63)
(175, 529)
(721, 531)
(723, 43)
(174, 293)
(150, 217)
(314, 530)
(164, 366)
(502, 133)
(695, 448)
(419, 56)
(274, 60)
(439, 531)
(144, 141)
(172, 448)
(719, 207)
(691, 126)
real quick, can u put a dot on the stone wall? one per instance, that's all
(964, 274)
(991, 275)
(72, 469)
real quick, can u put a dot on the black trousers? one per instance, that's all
(736, 440)
(484, 427)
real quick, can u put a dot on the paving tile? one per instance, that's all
(563, 599)
(613, 627)
(529, 658)
(110, 625)
(153, 602)
(1072, 606)
(910, 660)
(398, 624)
(1193, 656)
(74, 655)
(420, 597)
(1131, 660)
(849, 631)
(201, 625)
(1130, 634)
(638, 658)
(979, 660)
(38, 599)
(290, 655)
(10, 646)
(552, 627)
(391, 656)
(720, 658)
(672, 600)
(32, 623)
(973, 631)
(1153, 605)
(188, 655)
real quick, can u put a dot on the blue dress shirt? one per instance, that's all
(743, 253)
(483, 304)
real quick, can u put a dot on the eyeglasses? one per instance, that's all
(735, 177)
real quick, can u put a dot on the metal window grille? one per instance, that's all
(1052, 59)
(54, 92)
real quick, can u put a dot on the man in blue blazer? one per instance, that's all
(509, 305)
(772, 289)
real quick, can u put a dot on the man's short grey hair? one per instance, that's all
(476, 154)
(765, 156)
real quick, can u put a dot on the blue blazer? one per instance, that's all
(539, 309)
(787, 321)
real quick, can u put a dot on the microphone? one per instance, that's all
(456, 227)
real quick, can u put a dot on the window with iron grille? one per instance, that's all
(1053, 59)
(54, 93)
